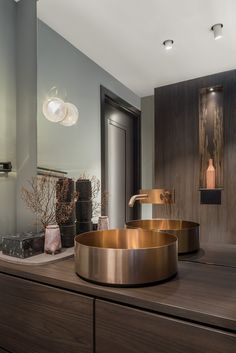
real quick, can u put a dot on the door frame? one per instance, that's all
(116, 101)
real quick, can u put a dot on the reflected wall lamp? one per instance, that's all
(58, 111)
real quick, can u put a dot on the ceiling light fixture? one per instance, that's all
(217, 30)
(168, 44)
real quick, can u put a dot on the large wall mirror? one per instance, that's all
(37, 63)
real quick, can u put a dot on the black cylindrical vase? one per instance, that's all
(84, 206)
(84, 210)
(68, 233)
(84, 189)
(83, 227)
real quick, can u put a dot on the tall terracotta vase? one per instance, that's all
(210, 175)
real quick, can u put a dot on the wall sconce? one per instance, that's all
(58, 111)
(54, 109)
(72, 115)
(217, 30)
(168, 44)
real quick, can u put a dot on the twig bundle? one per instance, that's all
(45, 198)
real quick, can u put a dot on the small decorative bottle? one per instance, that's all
(210, 175)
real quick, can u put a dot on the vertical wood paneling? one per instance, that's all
(177, 155)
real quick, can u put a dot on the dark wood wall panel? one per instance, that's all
(177, 155)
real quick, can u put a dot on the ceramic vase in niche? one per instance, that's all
(52, 243)
(103, 223)
(210, 175)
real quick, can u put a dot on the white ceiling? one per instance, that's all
(125, 37)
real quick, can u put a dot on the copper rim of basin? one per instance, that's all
(126, 257)
(187, 232)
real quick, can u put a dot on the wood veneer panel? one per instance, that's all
(40, 319)
(177, 155)
(198, 292)
(121, 329)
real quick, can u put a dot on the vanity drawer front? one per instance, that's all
(36, 318)
(121, 329)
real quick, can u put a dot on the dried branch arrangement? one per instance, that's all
(45, 198)
(98, 207)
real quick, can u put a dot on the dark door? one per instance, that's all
(121, 159)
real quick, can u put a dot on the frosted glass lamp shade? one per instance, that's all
(72, 115)
(54, 109)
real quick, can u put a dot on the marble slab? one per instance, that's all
(41, 259)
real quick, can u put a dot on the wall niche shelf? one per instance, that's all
(205, 189)
(211, 141)
(210, 196)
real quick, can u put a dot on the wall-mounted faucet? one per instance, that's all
(137, 197)
(153, 196)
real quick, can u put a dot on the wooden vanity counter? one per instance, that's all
(201, 298)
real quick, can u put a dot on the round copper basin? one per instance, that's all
(186, 232)
(125, 257)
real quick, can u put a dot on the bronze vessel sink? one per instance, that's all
(126, 257)
(186, 232)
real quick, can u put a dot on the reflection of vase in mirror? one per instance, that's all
(103, 223)
(211, 175)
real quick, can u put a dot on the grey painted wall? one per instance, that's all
(74, 149)
(7, 114)
(147, 108)
(26, 84)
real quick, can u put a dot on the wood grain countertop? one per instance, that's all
(202, 293)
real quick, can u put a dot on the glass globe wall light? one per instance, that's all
(57, 110)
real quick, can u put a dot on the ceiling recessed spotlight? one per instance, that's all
(168, 44)
(217, 30)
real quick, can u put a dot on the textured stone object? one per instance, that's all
(23, 245)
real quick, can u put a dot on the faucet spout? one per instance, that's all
(137, 197)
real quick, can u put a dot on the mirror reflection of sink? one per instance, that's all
(126, 257)
(186, 232)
